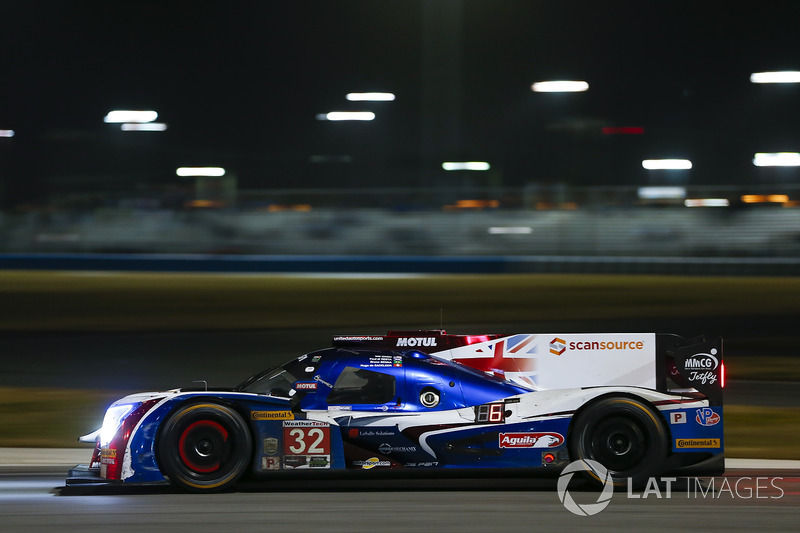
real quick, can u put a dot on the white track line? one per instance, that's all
(74, 456)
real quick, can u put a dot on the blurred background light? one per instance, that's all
(560, 86)
(119, 116)
(623, 130)
(778, 159)
(347, 115)
(765, 198)
(477, 205)
(200, 171)
(370, 97)
(662, 193)
(510, 230)
(667, 164)
(706, 202)
(6, 133)
(148, 126)
(786, 76)
(466, 165)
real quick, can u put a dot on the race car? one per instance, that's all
(639, 404)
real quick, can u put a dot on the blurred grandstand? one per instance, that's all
(588, 222)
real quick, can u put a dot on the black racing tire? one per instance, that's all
(622, 434)
(204, 447)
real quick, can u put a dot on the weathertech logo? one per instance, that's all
(558, 346)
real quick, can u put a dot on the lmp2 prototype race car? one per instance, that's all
(640, 404)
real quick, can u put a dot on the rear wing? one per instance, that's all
(695, 364)
(663, 362)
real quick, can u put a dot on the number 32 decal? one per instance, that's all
(298, 437)
(306, 439)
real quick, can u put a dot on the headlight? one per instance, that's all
(112, 422)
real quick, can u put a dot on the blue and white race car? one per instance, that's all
(640, 404)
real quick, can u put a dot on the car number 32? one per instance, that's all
(308, 441)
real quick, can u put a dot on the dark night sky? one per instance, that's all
(240, 83)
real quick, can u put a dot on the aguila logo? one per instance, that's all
(530, 440)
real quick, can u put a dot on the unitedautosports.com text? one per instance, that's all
(741, 488)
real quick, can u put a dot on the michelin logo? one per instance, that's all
(417, 341)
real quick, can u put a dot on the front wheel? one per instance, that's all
(204, 447)
(622, 434)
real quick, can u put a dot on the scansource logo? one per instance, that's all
(612, 343)
(557, 346)
(594, 468)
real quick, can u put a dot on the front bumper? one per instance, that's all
(86, 475)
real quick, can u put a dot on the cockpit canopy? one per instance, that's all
(341, 379)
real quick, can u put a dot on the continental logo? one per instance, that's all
(683, 444)
(558, 346)
(272, 415)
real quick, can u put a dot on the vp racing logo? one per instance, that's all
(595, 469)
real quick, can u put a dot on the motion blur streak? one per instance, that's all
(787, 76)
(707, 202)
(779, 159)
(149, 126)
(466, 165)
(667, 164)
(560, 86)
(370, 97)
(350, 115)
(200, 171)
(119, 116)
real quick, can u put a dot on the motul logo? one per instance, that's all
(417, 341)
(530, 440)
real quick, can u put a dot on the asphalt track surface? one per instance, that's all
(35, 500)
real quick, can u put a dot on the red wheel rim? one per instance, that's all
(201, 441)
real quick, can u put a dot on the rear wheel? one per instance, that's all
(622, 434)
(204, 447)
